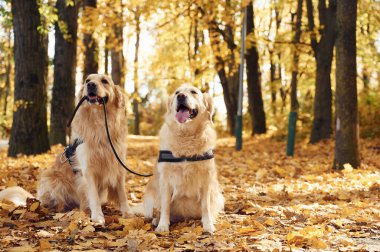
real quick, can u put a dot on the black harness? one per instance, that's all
(69, 152)
(167, 156)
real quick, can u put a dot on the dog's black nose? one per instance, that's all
(181, 97)
(91, 87)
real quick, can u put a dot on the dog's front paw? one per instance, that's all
(208, 227)
(98, 219)
(162, 228)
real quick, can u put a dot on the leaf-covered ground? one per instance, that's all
(273, 203)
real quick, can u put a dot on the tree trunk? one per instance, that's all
(229, 95)
(106, 55)
(7, 75)
(91, 55)
(366, 76)
(322, 121)
(347, 142)
(117, 57)
(273, 84)
(228, 79)
(296, 39)
(233, 87)
(63, 95)
(29, 134)
(136, 75)
(275, 68)
(256, 105)
(7, 88)
(323, 52)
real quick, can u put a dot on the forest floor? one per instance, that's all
(273, 203)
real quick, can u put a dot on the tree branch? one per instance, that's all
(310, 18)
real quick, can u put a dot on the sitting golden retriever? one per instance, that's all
(90, 174)
(185, 183)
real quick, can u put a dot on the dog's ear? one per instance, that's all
(120, 98)
(207, 99)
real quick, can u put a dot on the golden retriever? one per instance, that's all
(190, 189)
(94, 175)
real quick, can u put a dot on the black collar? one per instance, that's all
(167, 156)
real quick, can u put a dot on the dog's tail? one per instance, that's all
(16, 195)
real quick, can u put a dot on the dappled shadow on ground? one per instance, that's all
(272, 202)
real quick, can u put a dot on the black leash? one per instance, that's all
(85, 98)
(103, 102)
(113, 148)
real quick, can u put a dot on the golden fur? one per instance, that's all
(187, 189)
(100, 177)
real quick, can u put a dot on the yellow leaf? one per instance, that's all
(347, 168)
(261, 173)
(33, 207)
(318, 243)
(223, 225)
(88, 229)
(269, 222)
(347, 242)
(72, 226)
(246, 230)
(44, 245)
(310, 232)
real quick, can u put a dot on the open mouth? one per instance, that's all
(184, 113)
(94, 99)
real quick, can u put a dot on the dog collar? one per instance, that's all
(167, 156)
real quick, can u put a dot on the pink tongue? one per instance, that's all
(182, 115)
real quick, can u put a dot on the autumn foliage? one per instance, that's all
(273, 203)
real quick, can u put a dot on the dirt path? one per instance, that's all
(272, 203)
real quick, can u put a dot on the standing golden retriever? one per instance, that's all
(187, 188)
(92, 175)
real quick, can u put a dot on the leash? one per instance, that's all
(84, 98)
(113, 148)
(103, 101)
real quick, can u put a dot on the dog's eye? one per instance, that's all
(87, 81)
(104, 81)
(177, 92)
(193, 92)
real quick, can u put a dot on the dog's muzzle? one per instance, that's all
(184, 112)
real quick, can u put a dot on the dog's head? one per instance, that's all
(99, 86)
(188, 105)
